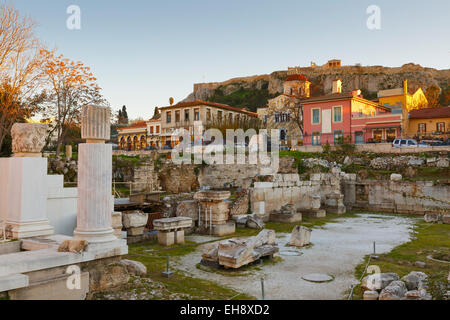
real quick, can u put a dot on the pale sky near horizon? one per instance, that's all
(144, 51)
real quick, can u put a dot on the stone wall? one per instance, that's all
(415, 197)
(379, 148)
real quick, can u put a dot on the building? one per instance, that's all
(133, 137)
(399, 100)
(429, 124)
(329, 118)
(335, 63)
(283, 112)
(186, 115)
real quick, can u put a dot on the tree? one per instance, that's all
(433, 94)
(19, 62)
(123, 116)
(69, 86)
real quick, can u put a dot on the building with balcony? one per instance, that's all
(330, 118)
(187, 115)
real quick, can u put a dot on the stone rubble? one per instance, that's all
(236, 253)
(300, 237)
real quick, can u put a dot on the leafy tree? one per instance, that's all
(433, 94)
(19, 62)
(69, 86)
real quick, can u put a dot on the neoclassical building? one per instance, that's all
(140, 135)
(283, 112)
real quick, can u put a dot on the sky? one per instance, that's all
(143, 52)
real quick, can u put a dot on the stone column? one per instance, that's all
(23, 184)
(95, 178)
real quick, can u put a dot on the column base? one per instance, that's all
(22, 230)
(95, 236)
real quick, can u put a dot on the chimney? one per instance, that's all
(337, 86)
(405, 87)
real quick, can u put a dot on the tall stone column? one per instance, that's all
(95, 177)
(23, 184)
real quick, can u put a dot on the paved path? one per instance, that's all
(337, 249)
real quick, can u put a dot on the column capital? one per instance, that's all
(95, 124)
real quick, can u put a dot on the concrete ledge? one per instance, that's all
(24, 262)
(53, 289)
(13, 281)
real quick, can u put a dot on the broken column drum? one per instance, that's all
(214, 212)
(95, 177)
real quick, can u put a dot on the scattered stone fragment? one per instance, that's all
(415, 280)
(135, 267)
(420, 264)
(300, 237)
(396, 177)
(378, 281)
(371, 295)
(254, 222)
(432, 217)
(394, 291)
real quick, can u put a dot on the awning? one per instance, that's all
(385, 127)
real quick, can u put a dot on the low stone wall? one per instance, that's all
(378, 148)
(398, 196)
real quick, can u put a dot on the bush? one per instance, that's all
(345, 145)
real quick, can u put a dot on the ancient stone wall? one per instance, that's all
(415, 197)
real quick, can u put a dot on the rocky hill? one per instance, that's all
(253, 92)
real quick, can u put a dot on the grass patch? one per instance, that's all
(431, 239)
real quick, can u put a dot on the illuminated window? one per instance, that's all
(422, 128)
(440, 127)
(316, 139)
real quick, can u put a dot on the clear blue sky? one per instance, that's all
(145, 51)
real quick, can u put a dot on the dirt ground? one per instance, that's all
(337, 248)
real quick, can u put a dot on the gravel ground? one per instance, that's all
(337, 249)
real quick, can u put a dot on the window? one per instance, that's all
(391, 134)
(196, 114)
(378, 135)
(440, 127)
(230, 117)
(316, 139)
(265, 119)
(187, 114)
(338, 136)
(157, 129)
(208, 114)
(337, 114)
(177, 116)
(151, 130)
(315, 116)
(422, 128)
(219, 115)
(168, 116)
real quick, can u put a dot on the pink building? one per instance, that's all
(330, 117)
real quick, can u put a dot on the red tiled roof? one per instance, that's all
(211, 104)
(430, 113)
(136, 125)
(296, 77)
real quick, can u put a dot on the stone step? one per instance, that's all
(13, 281)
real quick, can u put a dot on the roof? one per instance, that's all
(296, 77)
(430, 113)
(136, 125)
(342, 96)
(211, 104)
(332, 96)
